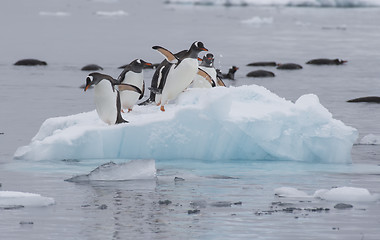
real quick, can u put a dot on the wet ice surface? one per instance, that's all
(132, 209)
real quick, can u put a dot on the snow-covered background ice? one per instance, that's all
(205, 198)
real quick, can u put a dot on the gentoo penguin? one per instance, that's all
(260, 73)
(30, 62)
(325, 61)
(107, 98)
(181, 72)
(370, 99)
(230, 75)
(262, 64)
(91, 67)
(132, 75)
(289, 66)
(207, 65)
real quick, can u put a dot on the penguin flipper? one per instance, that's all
(119, 118)
(206, 76)
(124, 87)
(122, 74)
(220, 82)
(143, 91)
(167, 54)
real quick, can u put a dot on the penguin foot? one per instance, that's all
(129, 109)
(162, 108)
(121, 110)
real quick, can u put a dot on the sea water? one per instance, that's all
(209, 199)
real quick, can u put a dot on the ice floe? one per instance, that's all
(348, 194)
(247, 122)
(23, 199)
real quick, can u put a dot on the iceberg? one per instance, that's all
(11, 198)
(370, 139)
(243, 123)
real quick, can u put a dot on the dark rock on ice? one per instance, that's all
(195, 211)
(262, 64)
(30, 62)
(238, 203)
(164, 202)
(91, 67)
(260, 73)
(289, 66)
(326, 61)
(370, 99)
(343, 206)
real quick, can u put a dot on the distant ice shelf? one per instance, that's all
(245, 123)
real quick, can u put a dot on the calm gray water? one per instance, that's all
(29, 95)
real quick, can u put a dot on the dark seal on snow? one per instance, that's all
(30, 62)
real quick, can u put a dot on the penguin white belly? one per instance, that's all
(105, 102)
(179, 79)
(135, 79)
(129, 98)
(201, 82)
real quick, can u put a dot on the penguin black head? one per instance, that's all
(208, 60)
(233, 69)
(339, 61)
(137, 65)
(95, 77)
(198, 47)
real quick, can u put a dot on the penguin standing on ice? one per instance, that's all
(160, 74)
(181, 73)
(107, 98)
(132, 76)
(207, 65)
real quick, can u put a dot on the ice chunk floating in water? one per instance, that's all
(348, 194)
(133, 170)
(247, 122)
(10, 198)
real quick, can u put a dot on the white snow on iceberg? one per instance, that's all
(132, 170)
(247, 122)
(11, 198)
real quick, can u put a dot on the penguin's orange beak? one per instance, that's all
(204, 49)
(200, 59)
(148, 64)
(85, 89)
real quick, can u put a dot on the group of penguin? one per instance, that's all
(172, 76)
